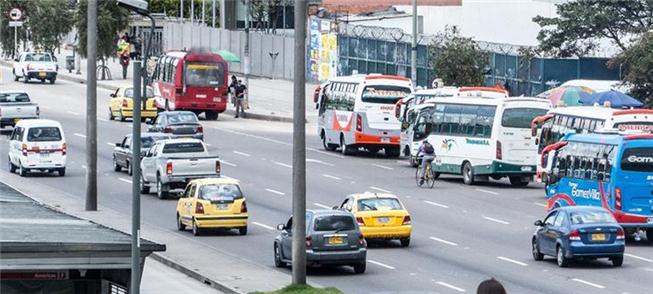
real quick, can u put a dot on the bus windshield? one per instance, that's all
(520, 117)
(638, 159)
(384, 94)
(204, 74)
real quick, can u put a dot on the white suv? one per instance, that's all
(37, 145)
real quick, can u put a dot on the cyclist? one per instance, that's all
(427, 152)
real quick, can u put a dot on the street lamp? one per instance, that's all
(140, 78)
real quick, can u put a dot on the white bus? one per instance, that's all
(480, 137)
(583, 119)
(357, 112)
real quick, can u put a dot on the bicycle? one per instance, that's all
(429, 175)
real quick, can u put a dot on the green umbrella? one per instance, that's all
(229, 56)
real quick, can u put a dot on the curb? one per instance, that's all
(195, 275)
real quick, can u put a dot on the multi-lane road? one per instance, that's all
(462, 234)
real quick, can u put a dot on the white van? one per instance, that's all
(37, 145)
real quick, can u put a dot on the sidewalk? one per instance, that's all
(160, 279)
(268, 99)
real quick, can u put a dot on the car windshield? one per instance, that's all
(520, 117)
(334, 223)
(129, 93)
(220, 192)
(183, 147)
(384, 94)
(638, 159)
(204, 74)
(182, 118)
(43, 134)
(38, 57)
(591, 217)
(371, 204)
(14, 97)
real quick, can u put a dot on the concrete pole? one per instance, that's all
(181, 10)
(203, 11)
(413, 57)
(15, 42)
(91, 106)
(136, 179)
(192, 11)
(247, 59)
(223, 14)
(213, 14)
(299, 149)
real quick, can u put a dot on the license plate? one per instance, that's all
(44, 154)
(385, 140)
(382, 220)
(217, 99)
(336, 240)
(598, 237)
(526, 168)
(222, 206)
(42, 74)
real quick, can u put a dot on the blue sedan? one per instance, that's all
(579, 232)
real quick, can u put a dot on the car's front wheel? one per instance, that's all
(180, 225)
(196, 230)
(359, 268)
(617, 260)
(537, 255)
(561, 259)
(116, 166)
(143, 187)
(277, 256)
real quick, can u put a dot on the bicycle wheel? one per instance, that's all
(417, 176)
(431, 178)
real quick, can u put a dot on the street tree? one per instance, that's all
(582, 24)
(637, 65)
(49, 22)
(6, 32)
(458, 60)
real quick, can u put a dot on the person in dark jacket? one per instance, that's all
(490, 286)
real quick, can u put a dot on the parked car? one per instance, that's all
(15, 106)
(35, 65)
(380, 216)
(179, 124)
(579, 232)
(121, 104)
(122, 153)
(171, 164)
(214, 203)
(332, 238)
(37, 145)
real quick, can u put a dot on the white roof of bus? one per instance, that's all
(584, 111)
(444, 91)
(360, 78)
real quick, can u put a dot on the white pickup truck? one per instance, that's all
(15, 106)
(171, 164)
(33, 65)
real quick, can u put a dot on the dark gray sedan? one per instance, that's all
(122, 153)
(332, 238)
(179, 124)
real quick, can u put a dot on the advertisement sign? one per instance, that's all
(323, 50)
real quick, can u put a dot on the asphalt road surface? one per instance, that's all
(461, 234)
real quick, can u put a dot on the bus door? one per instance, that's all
(634, 189)
(420, 130)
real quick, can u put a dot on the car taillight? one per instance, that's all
(218, 167)
(167, 130)
(125, 103)
(169, 168)
(24, 148)
(406, 220)
(309, 242)
(621, 235)
(359, 123)
(199, 129)
(360, 221)
(64, 148)
(499, 150)
(361, 240)
(199, 208)
(243, 207)
(574, 235)
(617, 198)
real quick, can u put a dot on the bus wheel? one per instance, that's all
(468, 173)
(649, 235)
(211, 115)
(327, 146)
(346, 150)
(518, 182)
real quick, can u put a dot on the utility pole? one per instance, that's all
(181, 10)
(136, 178)
(91, 106)
(192, 11)
(213, 14)
(413, 57)
(203, 10)
(247, 61)
(299, 149)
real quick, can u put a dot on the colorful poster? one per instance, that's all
(322, 51)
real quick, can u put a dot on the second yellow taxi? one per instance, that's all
(212, 203)
(121, 104)
(380, 216)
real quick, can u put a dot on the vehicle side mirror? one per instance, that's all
(281, 227)
(538, 223)
(118, 144)
(112, 95)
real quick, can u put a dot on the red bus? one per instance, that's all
(193, 81)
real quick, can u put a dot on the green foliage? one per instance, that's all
(49, 23)
(111, 20)
(303, 289)
(171, 8)
(582, 24)
(458, 60)
(6, 32)
(637, 62)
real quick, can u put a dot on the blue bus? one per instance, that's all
(608, 170)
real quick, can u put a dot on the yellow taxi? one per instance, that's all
(120, 106)
(380, 216)
(212, 203)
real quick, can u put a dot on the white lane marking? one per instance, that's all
(511, 261)
(73, 113)
(111, 144)
(588, 283)
(125, 180)
(222, 161)
(80, 135)
(319, 162)
(381, 264)
(275, 191)
(102, 119)
(496, 220)
(263, 226)
(382, 166)
(441, 283)
(443, 241)
(638, 257)
(540, 204)
(282, 164)
(322, 205)
(436, 204)
(379, 189)
(486, 191)
(331, 177)
(241, 153)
